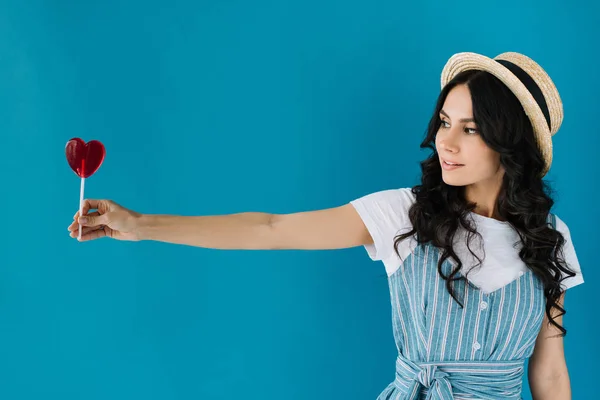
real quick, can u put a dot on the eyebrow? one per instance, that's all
(464, 120)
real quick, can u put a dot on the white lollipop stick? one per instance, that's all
(81, 204)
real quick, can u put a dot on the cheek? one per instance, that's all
(490, 158)
(483, 155)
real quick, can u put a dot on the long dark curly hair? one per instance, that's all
(524, 200)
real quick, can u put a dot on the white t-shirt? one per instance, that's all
(385, 214)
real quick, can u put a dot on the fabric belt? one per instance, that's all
(446, 380)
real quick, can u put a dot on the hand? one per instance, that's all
(111, 220)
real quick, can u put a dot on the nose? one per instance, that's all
(444, 146)
(448, 141)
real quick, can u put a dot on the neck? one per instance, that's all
(485, 196)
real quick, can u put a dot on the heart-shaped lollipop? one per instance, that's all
(84, 159)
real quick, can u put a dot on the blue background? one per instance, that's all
(219, 107)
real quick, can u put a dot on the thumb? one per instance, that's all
(93, 220)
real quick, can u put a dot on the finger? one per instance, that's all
(92, 235)
(93, 204)
(85, 230)
(94, 220)
(85, 209)
(75, 225)
(89, 204)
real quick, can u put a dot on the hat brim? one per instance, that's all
(472, 61)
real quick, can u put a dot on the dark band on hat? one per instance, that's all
(531, 86)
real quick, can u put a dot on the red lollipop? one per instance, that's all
(84, 159)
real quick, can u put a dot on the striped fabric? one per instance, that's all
(448, 352)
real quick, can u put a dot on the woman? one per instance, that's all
(476, 263)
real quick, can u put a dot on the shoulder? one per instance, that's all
(569, 253)
(561, 226)
(401, 197)
(386, 207)
(385, 214)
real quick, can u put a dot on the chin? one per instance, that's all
(455, 179)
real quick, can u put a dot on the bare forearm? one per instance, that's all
(558, 388)
(243, 231)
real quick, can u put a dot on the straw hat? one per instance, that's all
(530, 84)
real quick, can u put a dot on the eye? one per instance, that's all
(471, 131)
(444, 124)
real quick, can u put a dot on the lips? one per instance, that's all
(449, 165)
(452, 163)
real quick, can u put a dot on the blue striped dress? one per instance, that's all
(448, 352)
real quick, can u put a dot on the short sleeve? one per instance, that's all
(570, 257)
(385, 215)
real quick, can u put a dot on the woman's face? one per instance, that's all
(464, 157)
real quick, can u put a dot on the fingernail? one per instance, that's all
(83, 220)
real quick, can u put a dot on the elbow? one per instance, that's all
(267, 234)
